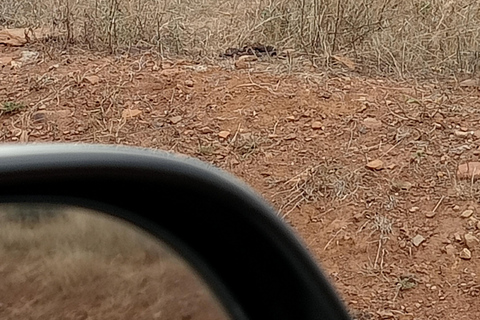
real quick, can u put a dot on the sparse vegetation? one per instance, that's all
(11, 107)
(403, 38)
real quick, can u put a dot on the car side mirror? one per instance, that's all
(249, 258)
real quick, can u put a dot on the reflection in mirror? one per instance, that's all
(60, 262)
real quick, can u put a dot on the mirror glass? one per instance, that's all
(59, 262)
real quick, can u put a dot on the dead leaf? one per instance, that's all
(20, 36)
(93, 79)
(224, 134)
(13, 37)
(470, 170)
(346, 61)
(244, 62)
(469, 83)
(130, 113)
(375, 165)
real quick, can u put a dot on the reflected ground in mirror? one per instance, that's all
(70, 263)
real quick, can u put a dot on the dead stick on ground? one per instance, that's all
(334, 236)
(438, 204)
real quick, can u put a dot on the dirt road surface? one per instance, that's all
(364, 169)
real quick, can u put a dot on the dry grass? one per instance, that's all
(316, 183)
(79, 264)
(392, 37)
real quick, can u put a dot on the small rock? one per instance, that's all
(450, 249)
(372, 123)
(189, 132)
(467, 213)
(401, 185)
(470, 170)
(417, 240)
(205, 130)
(456, 208)
(466, 254)
(189, 83)
(375, 165)
(316, 125)
(478, 225)
(462, 134)
(471, 241)
(414, 209)
(224, 134)
(93, 79)
(175, 119)
(290, 118)
(457, 237)
(291, 136)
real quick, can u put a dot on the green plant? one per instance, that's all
(11, 107)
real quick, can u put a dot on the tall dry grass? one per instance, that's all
(78, 264)
(388, 36)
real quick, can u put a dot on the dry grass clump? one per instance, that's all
(77, 264)
(397, 37)
(316, 183)
(392, 37)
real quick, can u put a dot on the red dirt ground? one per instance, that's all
(302, 141)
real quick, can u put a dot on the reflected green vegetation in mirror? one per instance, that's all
(60, 262)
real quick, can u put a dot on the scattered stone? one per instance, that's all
(316, 125)
(291, 118)
(470, 170)
(414, 209)
(471, 241)
(372, 123)
(478, 225)
(450, 249)
(401, 185)
(467, 213)
(189, 83)
(375, 165)
(224, 134)
(205, 130)
(457, 237)
(462, 134)
(291, 136)
(92, 79)
(417, 240)
(189, 132)
(175, 119)
(456, 208)
(466, 254)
